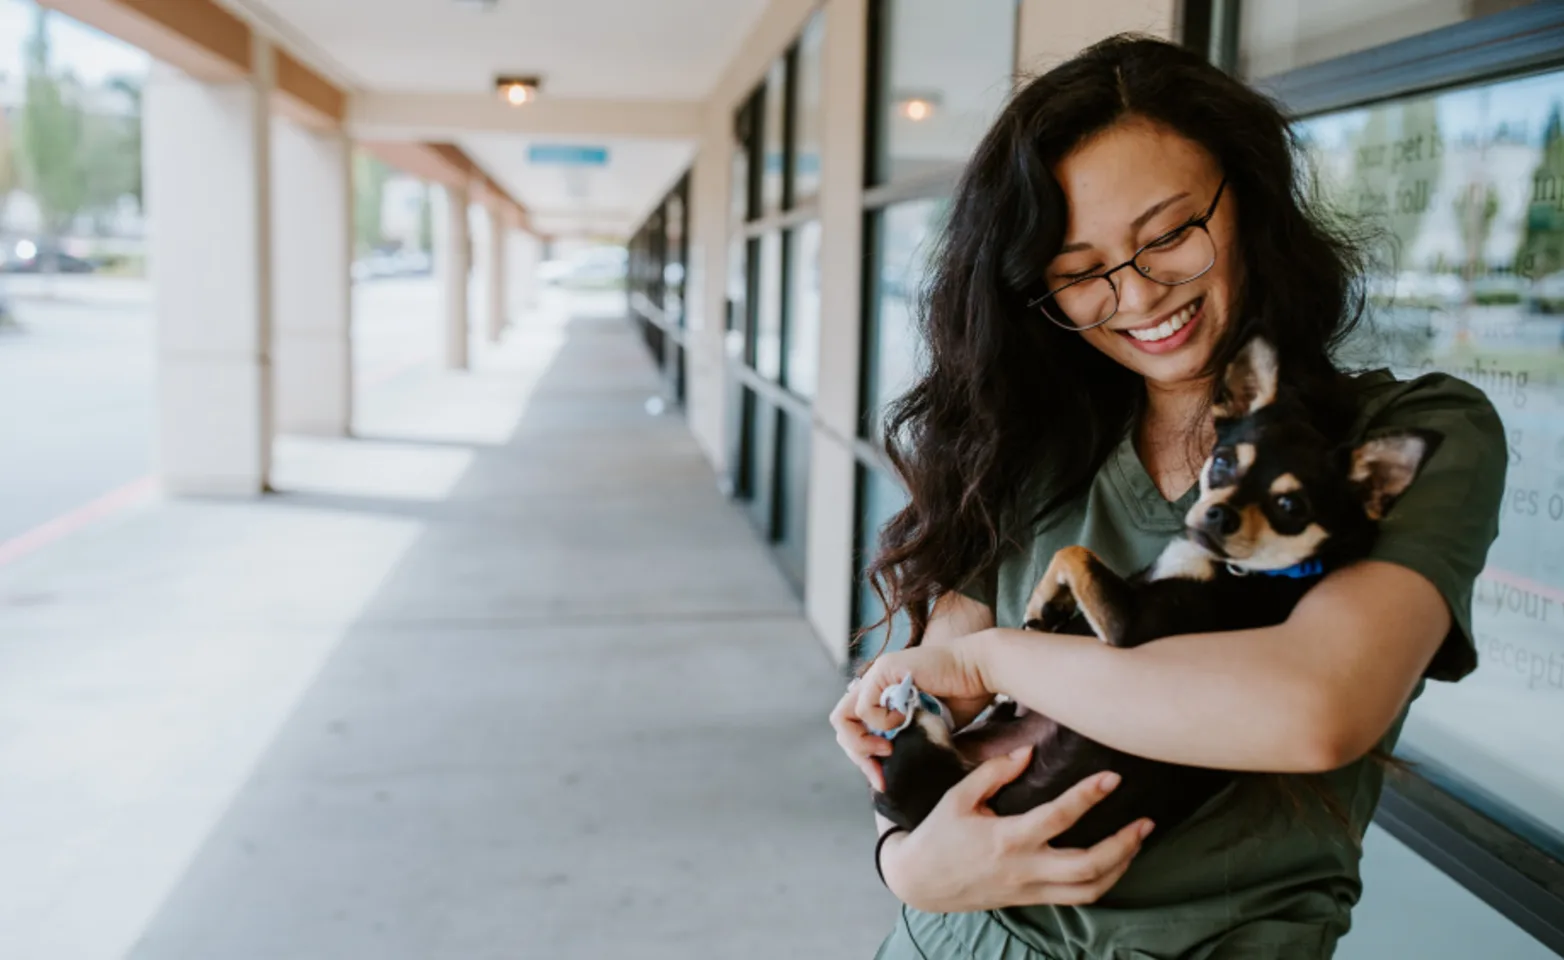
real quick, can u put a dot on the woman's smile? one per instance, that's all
(1169, 333)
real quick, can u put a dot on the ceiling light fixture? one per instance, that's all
(483, 6)
(517, 91)
(917, 107)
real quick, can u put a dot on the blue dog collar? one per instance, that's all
(1298, 571)
(907, 700)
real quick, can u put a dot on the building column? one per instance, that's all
(207, 157)
(706, 285)
(453, 262)
(498, 264)
(523, 252)
(312, 235)
(833, 520)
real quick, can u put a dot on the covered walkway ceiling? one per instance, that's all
(625, 75)
(623, 95)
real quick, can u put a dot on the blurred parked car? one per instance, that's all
(1498, 288)
(1546, 294)
(592, 267)
(391, 263)
(1414, 288)
(30, 257)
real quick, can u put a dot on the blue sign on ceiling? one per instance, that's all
(569, 155)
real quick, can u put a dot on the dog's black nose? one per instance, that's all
(1222, 519)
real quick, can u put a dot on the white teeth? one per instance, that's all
(1167, 327)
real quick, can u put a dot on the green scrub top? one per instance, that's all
(1250, 875)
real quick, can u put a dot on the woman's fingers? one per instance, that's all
(1078, 877)
(866, 698)
(1108, 857)
(850, 729)
(985, 780)
(861, 746)
(1075, 894)
(1047, 821)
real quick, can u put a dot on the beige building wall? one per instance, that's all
(1050, 31)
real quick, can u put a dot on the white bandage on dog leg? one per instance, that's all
(906, 699)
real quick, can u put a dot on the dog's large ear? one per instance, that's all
(1249, 382)
(1384, 466)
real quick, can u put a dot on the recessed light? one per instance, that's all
(517, 91)
(918, 107)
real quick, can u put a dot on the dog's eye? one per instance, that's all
(1292, 506)
(1221, 465)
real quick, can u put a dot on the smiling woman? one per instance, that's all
(1130, 223)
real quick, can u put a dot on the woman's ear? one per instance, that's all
(1249, 382)
(1384, 466)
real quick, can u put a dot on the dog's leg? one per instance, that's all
(1077, 580)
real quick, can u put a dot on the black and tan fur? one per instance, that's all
(1274, 493)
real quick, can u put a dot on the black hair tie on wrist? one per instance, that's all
(880, 845)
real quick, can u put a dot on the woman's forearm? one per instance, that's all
(1310, 694)
(1236, 700)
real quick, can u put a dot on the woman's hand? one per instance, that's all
(862, 747)
(964, 857)
(948, 671)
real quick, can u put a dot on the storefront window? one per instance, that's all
(945, 69)
(792, 496)
(1280, 35)
(904, 235)
(803, 320)
(807, 117)
(1470, 184)
(879, 499)
(768, 306)
(743, 202)
(673, 270)
(773, 138)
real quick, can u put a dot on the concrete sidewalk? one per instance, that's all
(505, 677)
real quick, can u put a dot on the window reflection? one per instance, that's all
(807, 117)
(743, 186)
(1470, 184)
(1280, 35)
(792, 508)
(803, 321)
(905, 234)
(879, 499)
(944, 73)
(768, 307)
(773, 131)
(673, 270)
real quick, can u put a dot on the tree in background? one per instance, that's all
(9, 179)
(51, 138)
(121, 162)
(426, 220)
(369, 181)
(1542, 249)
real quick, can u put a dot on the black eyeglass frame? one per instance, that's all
(1201, 222)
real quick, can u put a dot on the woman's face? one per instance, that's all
(1127, 186)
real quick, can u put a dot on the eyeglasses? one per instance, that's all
(1179, 256)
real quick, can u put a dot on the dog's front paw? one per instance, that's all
(1056, 613)
(1050, 609)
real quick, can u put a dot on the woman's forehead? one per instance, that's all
(1115, 176)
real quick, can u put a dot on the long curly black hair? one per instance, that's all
(1013, 416)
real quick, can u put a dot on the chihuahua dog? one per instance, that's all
(1280, 505)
